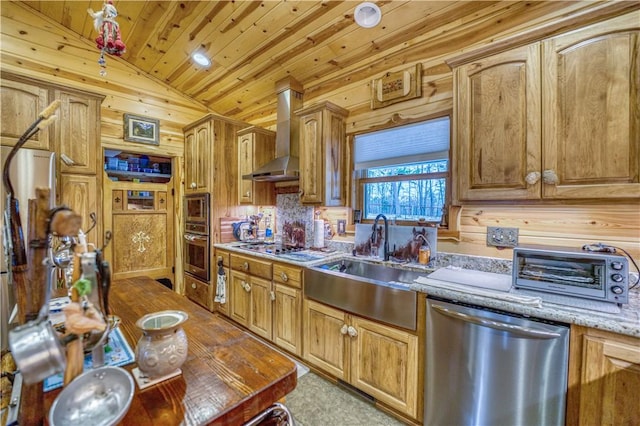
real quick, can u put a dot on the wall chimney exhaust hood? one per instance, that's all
(285, 166)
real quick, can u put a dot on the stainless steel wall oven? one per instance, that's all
(196, 236)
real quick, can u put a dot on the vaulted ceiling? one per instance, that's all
(253, 44)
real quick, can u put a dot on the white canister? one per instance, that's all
(318, 233)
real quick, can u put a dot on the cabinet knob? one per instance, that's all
(248, 194)
(532, 178)
(193, 185)
(344, 329)
(193, 285)
(284, 277)
(246, 286)
(273, 295)
(352, 331)
(245, 266)
(550, 177)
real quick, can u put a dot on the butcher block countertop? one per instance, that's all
(228, 378)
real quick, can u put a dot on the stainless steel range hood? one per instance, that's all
(285, 166)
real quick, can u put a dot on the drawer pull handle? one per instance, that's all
(284, 277)
(245, 266)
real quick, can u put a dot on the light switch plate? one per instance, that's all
(502, 237)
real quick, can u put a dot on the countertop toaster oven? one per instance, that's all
(570, 271)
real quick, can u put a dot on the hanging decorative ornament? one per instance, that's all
(109, 39)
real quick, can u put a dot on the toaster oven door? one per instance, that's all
(560, 274)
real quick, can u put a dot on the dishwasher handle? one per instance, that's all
(509, 328)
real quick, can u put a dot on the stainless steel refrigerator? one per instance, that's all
(30, 169)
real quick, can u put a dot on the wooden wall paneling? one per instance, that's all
(617, 224)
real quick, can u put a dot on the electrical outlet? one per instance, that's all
(502, 237)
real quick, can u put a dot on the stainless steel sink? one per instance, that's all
(364, 288)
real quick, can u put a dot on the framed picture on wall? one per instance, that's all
(141, 129)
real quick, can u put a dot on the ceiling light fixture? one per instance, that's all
(201, 59)
(367, 15)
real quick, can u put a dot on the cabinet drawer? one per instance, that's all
(225, 258)
(255, 267)
(197, 291)
(287, 275)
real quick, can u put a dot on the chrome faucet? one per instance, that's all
(386, 234)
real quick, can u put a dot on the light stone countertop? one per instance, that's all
(626, 322)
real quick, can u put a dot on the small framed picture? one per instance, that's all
(342, 226)
(141, 129)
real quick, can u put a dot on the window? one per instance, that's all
(404, 172)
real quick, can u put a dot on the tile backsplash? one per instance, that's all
(295, 221)
(404, 241)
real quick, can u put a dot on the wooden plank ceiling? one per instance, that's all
(253, 44)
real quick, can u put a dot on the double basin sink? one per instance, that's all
(372, 290)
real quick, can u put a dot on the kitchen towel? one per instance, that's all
(221, 292)
(318, 233)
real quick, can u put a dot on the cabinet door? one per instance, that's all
(334, 160)
(384, 364)
(287, 319)
(260, 318)
(190, 163)
(610, 382)
(198, 145)
(81, 194)
(311, 176)
(21, 103)
(590, 111)
(78, 132)
(325, 344)
(245, 166)
(239, 299)
(498, 125)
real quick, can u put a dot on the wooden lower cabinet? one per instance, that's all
(197, 291)
(239, 297)
(270, 308)
(260, 307)
(604, 378)
(224, 257)
(325, 345)
(377, 359)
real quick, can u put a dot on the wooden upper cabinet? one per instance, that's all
(498, 125)
(197, 145)
(256, 147)
(22, 101)
(323, 154)
(591, 104)
(552, 120)
(78, 130)
(81, 193)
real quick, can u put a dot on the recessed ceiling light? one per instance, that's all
(367, 15)
(201, 59)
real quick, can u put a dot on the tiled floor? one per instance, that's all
(318, 402)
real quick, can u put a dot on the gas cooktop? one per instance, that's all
(298, 254)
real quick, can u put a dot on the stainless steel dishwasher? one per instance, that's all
(488, 367)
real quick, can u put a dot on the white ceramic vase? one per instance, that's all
(162, 348)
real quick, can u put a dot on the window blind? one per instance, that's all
(412, 143)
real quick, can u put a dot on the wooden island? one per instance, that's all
(228, 378)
